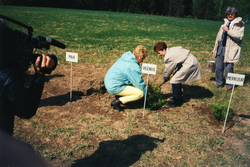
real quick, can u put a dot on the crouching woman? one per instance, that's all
(124, 78)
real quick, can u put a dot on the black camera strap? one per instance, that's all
(29, 28)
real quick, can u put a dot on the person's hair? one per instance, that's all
(159, 46)
(231, 9)
(140, 51)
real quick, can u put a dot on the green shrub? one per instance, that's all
(156, 100)
(189, 17)
(220, 110)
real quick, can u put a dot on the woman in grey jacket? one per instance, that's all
(227, 47)
(189, 68)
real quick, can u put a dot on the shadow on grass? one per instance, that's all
(244, 116)
(247, 78)
(134, 104)
(195, 92)
(63, 99)
(120, 153)
(233, 122)
(49, 77)
(189, 92)
(140, 103)
(60, 100)
(212, 79)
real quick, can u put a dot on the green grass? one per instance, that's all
(100, 38)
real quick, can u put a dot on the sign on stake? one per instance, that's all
(72, 57)
(148, 69)
(234, 79)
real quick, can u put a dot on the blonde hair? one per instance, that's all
(140, 51)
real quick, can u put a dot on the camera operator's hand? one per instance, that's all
(46, 62)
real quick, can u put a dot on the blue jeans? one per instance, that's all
(220, 66)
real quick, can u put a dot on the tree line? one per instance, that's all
(198, 9)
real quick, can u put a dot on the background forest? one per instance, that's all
(198, 9)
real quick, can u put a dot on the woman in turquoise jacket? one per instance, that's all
(124, 77)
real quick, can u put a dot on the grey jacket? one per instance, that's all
(190, 69)
(234, 40)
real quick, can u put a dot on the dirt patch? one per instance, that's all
(206, 110)
(88, 90)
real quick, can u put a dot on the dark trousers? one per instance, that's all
(220, 66)
(177, 92)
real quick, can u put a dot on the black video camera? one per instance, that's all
(19, 48)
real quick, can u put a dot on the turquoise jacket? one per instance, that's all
(124, 71)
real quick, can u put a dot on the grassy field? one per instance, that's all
(100, 38)
(104, 35)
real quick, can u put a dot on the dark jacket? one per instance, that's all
(16, 99)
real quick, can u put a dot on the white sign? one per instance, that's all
(73, 57)
(149, 68)
(235, 79)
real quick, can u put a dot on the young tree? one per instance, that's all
(218, 6)
(179, 8)
(167, 7)
(198, 8)
(173, 7)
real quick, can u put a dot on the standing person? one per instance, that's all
(124, 78)
(15, 98)
(189, 68)
(227, 47)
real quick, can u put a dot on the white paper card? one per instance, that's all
(149, 68)
(73, 57)
(235, 79)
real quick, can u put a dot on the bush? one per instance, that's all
(157, 100)
(220, 110)
(189, 17)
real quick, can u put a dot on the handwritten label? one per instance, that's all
(235, 79)
(72, 57)
(149, 68)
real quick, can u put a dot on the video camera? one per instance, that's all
(19, 48)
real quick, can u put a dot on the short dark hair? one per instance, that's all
(159, 46)
(231, 9)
